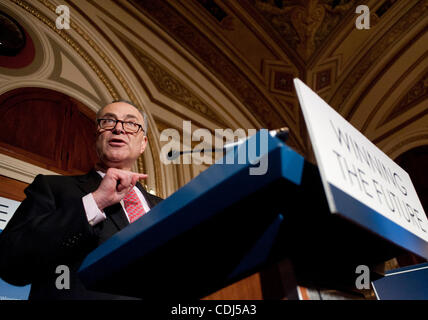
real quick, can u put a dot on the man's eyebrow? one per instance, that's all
(130, 116)
(112, 115)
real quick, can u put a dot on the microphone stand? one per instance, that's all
(281, 133)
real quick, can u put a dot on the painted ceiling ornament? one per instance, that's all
(12, 36)
(306, 20)
(304, 24)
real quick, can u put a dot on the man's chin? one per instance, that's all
(116, 161)
(116, 155)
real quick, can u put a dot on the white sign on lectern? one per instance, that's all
(360, 181)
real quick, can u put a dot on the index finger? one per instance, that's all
(135, 178)
(139, 175)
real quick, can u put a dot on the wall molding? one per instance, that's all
(20, 170)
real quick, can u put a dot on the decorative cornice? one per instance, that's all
(20, 170)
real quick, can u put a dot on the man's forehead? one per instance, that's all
(121, 110)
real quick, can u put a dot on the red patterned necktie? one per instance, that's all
(133, 206)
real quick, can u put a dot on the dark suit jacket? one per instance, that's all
(50, 228)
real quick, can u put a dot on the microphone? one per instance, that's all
(281, 133)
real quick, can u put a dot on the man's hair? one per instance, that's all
(146, 124)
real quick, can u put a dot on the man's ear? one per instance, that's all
(143, 144)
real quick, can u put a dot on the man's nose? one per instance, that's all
(118, 129)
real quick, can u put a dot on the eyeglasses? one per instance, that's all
(128, 126)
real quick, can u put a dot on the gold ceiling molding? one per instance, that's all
(166, 39)
(395, 110)
(124, 84)
(94, 66)
(214, 59)
(169, 85)
(417, 93)
(368, 60)
(421, 93)
(414, 141)
(67, 38)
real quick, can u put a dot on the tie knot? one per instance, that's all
(131, 196)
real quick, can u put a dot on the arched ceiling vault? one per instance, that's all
(230, 64)
(375, 78)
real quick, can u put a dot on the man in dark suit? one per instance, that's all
(63, 218)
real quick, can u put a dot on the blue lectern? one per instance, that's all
(227, 223)
(408, 283)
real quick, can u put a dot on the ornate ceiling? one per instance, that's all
(230, 64)
(256, 47)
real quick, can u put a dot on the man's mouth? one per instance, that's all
(116, 143)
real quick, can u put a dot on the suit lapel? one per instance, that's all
(117, 215)
(89, 182)
(147, 196)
